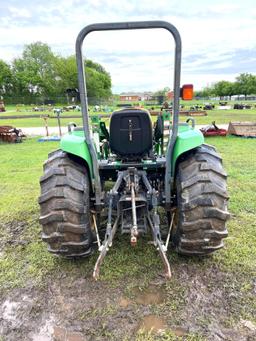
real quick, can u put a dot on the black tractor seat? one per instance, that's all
(130, 133)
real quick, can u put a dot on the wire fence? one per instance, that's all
(53, 100)
(63, 100)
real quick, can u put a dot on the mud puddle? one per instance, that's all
(50, 332)
(45, 332)
(78, 309)
(124, 302)
(13, 313)
(151, 295)
(62, 334)
(180, 331)
(9, 312)
(152, 323)
(157, 324)
(145, 296)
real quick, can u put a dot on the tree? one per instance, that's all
(40, 72)
(161, 95)
(34, 72)
(204, 93)
(246, 84)
(98, 80)
(66, 71)
(224, 88)
(6, 78)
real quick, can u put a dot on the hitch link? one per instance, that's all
(110, 231)
(161, 248)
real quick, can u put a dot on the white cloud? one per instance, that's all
(19, 12)
(140, 60)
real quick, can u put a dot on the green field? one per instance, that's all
(216, 290)
(220, 116)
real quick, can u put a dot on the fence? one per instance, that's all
(52, 100)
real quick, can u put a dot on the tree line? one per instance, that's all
(39, 73)
(245, 84)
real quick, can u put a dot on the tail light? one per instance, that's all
(186, 92)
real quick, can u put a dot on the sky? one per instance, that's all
(218, 37)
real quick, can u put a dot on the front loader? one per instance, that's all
(118, 178)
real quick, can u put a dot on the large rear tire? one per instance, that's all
(65, 207)
(201, 215)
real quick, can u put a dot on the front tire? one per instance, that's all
(65, 207)
(202, 198)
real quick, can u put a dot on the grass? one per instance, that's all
(225, 116)
(239, 160)
(24, 258)
(21, 167)
(220, 116)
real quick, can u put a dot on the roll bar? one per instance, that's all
(134, 25)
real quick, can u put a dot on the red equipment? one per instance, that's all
(213, 130)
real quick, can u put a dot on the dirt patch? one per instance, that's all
(180, 331)
(12, 234)
(210, 303)
(14, 312)
(45, 332)
(124, 302)
(152, 323)
(196, 301)
(9, 312)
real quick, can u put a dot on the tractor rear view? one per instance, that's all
(162, 168)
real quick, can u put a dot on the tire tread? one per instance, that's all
(64, 207)
(202, 203)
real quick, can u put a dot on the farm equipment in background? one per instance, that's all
(133, 178)
(213, 130)
(11, 134)
(246, 129)
(240, 106)
(48, 137)
(2, 107)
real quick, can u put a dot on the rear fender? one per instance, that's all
(75, 144)
(186, 140)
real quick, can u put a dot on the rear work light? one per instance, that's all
(186, 92)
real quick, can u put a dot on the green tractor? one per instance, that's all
(124, 177)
